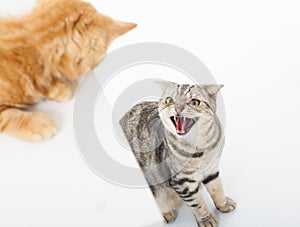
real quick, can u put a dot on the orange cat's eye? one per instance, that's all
(169, 100)
(195, 102)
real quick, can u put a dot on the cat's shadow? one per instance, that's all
(185, 218)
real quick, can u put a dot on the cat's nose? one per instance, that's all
(179, 109)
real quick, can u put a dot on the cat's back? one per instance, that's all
(145, 133)
(143, 127)
(140, 120)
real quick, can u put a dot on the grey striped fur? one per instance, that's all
(177, 156)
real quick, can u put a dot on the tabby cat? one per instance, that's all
(178, 143)
(42, 56)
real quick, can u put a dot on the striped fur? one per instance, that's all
(176, 159)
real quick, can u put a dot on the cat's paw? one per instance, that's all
(25, 125)
(60, 92)
(210, 221)
(229, 206)
(38, 127)
(171, 216)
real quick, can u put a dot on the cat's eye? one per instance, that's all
(169, 100)
(195, 102)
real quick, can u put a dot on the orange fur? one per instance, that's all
(43, 54)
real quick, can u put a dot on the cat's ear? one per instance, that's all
(163, 84)
(120, 27)
(213, 89)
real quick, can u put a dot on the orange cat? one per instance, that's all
(43, 54)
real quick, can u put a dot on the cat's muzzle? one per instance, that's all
(183, 124)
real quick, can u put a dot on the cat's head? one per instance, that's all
(94, 31)
(184, 108)
(80, 31)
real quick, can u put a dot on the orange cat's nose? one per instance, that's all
(123, 27)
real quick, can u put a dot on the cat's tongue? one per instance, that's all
(180, 125)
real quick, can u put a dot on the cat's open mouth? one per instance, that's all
(183, 124)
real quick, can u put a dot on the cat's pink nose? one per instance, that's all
(178, 110)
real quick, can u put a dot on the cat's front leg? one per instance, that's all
(60, 92)
(214, 186)
(188, 190)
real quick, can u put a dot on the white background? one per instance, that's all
(250, 46)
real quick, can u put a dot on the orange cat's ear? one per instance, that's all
(120, 28)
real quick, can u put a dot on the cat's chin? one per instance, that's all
(180, 135)
(183, 124)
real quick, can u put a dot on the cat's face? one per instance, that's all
(186, 108)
